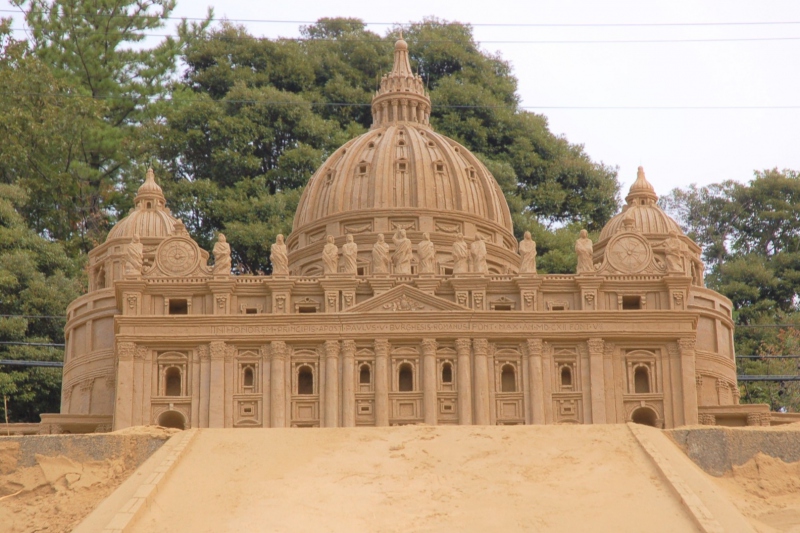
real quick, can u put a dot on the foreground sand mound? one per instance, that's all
(767, 491)
(416, 478)
(53, 493)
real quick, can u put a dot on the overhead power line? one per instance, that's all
(538, 41)
(14, 362)
(477, 24)
(20, 343)
(437, 106)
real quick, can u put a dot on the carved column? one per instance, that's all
(597, 380)
(264, 387)
(686, 348)
(277, 384)
(205, 382)
(464, 381)
(429, 399)
(348, 384)
(481, 392)
(536, 385)
(216, 397)
(123, 411)
(381, 382)
(331, 384)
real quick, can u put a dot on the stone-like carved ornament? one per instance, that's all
(178, 256)
(403, 304)
(629, 253)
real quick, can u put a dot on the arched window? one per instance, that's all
(645, 416)
(172, 381)
(172, 419)
(364, 375)
(305, 380)
(248, 377)
(508, 380)
(641, 380)
(447, 373)
(566, 377)
(406, 378)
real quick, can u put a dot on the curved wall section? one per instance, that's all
(89, 380)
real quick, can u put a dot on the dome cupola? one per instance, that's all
(149, 217)
(401, 174)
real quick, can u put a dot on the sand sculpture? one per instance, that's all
(425, 328)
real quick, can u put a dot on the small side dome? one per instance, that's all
(150, 217)
(641, 212)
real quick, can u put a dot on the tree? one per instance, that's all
(751, 235)
(253, 118)
(37, 282)
(82, 56)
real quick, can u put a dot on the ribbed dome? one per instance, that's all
(149, 217)
(401, 163)
(401, 167)
(643, 210)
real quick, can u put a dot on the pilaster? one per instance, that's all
(429, 396)
(278, 351)
(529, 287)
(216, 406)
(464, 381)
(280, 290)
(480, 349)
(381, 382)
(589, 286)
(222, 292)
(331, 384)
(536, 385)
(597, 380)
(348, 384)
(688, 370)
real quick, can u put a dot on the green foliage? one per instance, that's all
(36, 278)
(751, 236)
(253, 118)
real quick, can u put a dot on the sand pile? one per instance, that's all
(767, 491)
(57, 492)
(416, 478)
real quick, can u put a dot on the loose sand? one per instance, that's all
(767, 491)
(56, 493)
(416, 478)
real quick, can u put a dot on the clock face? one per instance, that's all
(177, 256)
(629, 254)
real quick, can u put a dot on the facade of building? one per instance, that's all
(401, 296)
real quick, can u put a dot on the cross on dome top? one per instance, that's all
(401, 96)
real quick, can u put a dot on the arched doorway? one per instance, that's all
(645, 416)
(172, 419)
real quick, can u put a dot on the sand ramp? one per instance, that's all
(420, 478)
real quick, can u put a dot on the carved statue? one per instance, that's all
(135, 257)
(100, 278)
(460, 255)
(527, 250)
(698, 268)
(279, 256)
(675, 251)
(350, 256)
(380, 256)
(427, 255)
(402, 253)
(222, 256)
(584, 249)
(477, 251)
(330, 257)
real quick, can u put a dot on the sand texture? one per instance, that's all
(416, 478)
(767, 491)
(54, 493)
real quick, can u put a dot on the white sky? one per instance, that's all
(676, 147)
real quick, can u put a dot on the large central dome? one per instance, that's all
(402, 175)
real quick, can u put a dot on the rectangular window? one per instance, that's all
(178, 306)
(631, 302)
(306, 309)
(502, 308)
(251, 311)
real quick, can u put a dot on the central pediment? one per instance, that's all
(404, 298)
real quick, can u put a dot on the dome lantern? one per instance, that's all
(401, 96)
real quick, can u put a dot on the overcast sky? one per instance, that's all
(676, 146)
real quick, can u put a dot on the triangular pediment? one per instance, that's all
(405, 298)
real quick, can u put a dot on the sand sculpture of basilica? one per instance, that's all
(400, 297)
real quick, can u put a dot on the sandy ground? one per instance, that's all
(767, 491)
(416, 478)
(57, 493)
